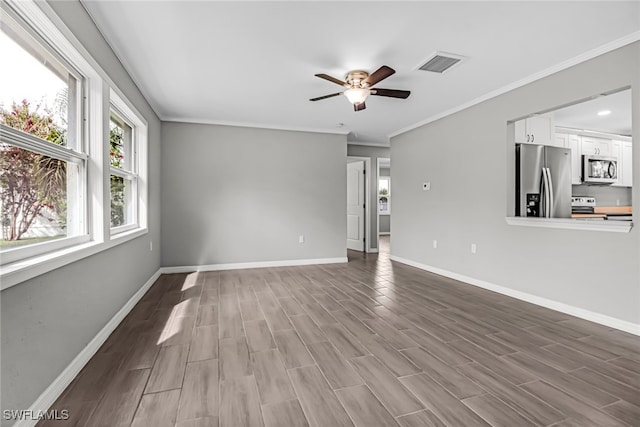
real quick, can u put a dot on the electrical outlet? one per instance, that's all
(301, 239)
(474, 248)
(426, 186)
(435, 244)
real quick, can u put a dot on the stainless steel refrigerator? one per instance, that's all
(543, 181)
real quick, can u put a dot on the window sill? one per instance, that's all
(19, 271)
(572, 224)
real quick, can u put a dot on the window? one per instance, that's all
(123, 180)
(42, 156)
(384, 195)
(127, 142)
(54, 207)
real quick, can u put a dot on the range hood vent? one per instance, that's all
(439, 62)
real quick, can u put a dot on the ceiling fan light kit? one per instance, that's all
(356, 96)
(359, 83)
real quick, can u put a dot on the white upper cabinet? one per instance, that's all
(596, 146)
(626, 160)
(572, 142)
(622, 150)
(562, 140)
(535, 130)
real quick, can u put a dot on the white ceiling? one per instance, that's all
(253, 63)
(585, 114)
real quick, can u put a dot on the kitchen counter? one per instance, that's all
(612, 210)
(603, 212)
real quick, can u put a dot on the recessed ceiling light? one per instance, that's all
(604, 112)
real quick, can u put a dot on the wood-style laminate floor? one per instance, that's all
(368, 343)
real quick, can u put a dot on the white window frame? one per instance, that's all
(99, 92)
(137, 172)
(76, 152)
(32, 143)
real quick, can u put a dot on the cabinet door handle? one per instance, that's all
(528, 138)
(533, 137)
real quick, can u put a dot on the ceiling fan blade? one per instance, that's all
(359, 107)
(393, 93)
(379, 75)
(332, 79)
(326, 96)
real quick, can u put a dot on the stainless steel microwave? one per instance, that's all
(599, 169)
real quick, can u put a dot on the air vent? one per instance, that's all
(440, 62)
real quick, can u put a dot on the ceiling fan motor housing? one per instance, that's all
(356, 78)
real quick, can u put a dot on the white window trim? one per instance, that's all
(139, 151)
(16, 273)
(32, 143)
(97, 90)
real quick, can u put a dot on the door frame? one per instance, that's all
(367, 202)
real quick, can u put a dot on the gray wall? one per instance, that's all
(48, 320)
(385, 223)
(246, 194)
(465, 158)
(374, 152)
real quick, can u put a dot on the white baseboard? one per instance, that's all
(623, 325)
(55, 389)
(372, 251)
(245, 265)
(384, 233)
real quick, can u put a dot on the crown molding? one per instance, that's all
(605, 48)
(149, 99)
(201, 121)
(370, 144)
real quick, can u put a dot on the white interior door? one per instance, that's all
(355, 206)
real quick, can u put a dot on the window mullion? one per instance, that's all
(122, 173)
(37, 145)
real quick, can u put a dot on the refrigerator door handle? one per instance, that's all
(546, 193)
(550, 187)
(545, 196)
(543, 193)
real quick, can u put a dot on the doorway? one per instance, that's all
(383, 202)
(358, 204)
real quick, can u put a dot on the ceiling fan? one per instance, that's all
(359, 85)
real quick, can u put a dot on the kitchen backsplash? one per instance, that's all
(605, 195)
